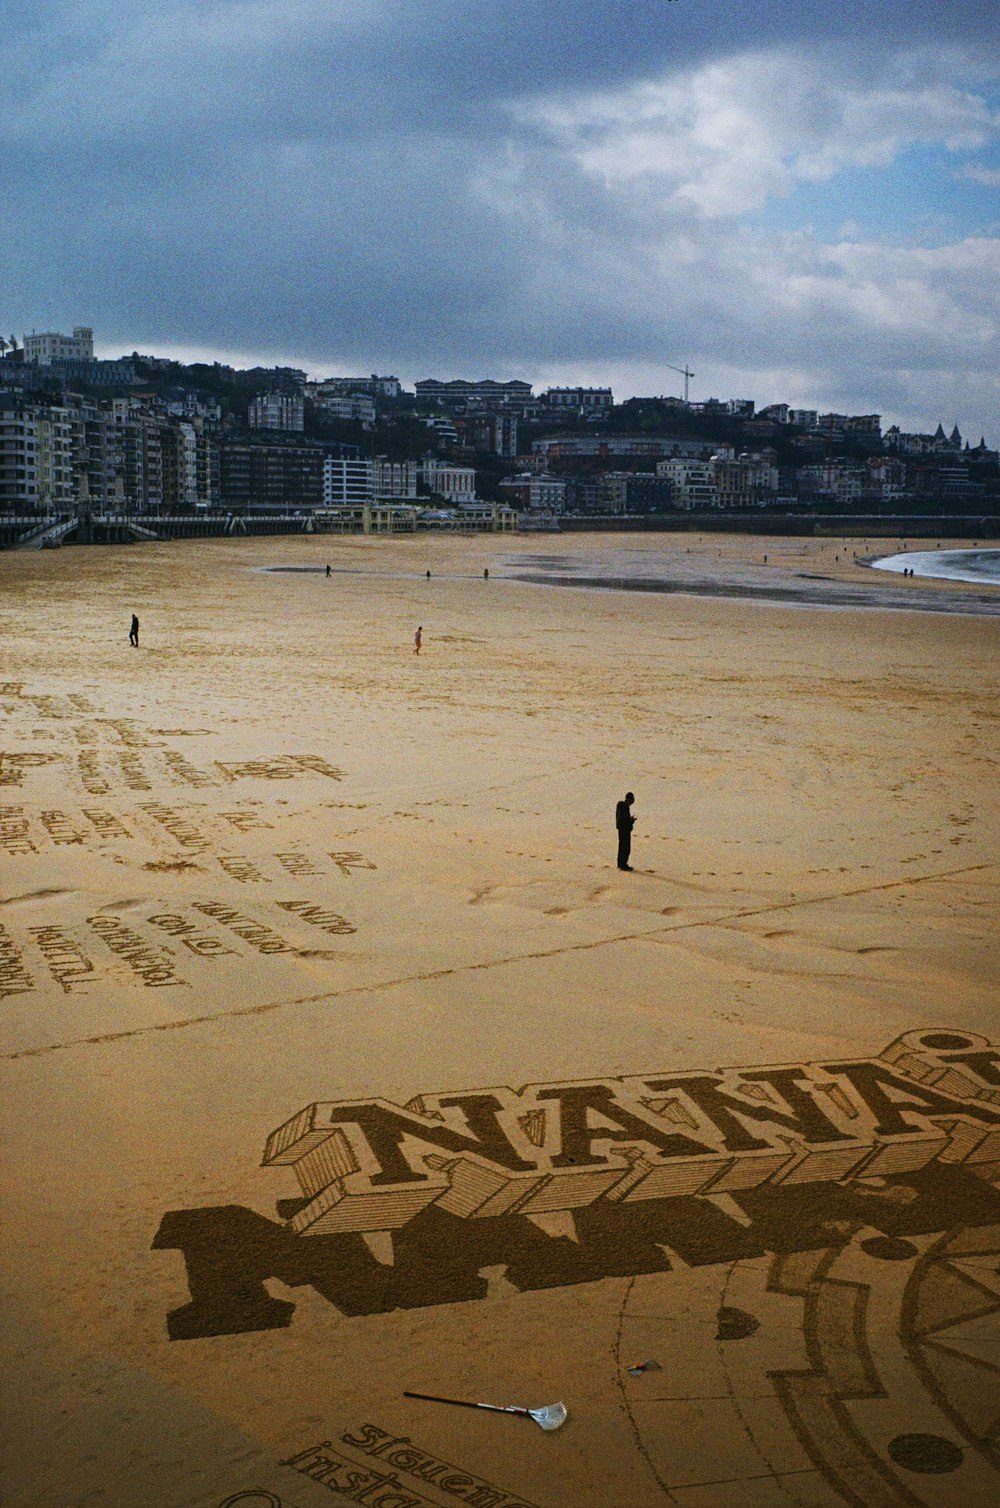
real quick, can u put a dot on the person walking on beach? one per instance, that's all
(417, 640)
(133, 633)
(624, 822)
(328, 571)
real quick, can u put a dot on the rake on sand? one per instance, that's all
(550, 1417)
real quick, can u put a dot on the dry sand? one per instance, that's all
(272, 858)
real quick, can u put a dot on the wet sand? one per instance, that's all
(272, 858)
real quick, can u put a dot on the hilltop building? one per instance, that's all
(43, 350)
(277, 410)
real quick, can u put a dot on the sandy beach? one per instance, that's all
(339, 1059)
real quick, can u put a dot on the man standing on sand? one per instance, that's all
(328, 571)
(624, 821)
(133, 633)
(416, 641)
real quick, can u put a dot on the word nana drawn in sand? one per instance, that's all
(368, 1165)
(404, 1206)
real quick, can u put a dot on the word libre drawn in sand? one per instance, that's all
(568, 1182)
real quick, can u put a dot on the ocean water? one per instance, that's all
(980, 566)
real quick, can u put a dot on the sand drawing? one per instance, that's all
(568, 1182)
(14, 977)
(835, 1172)
(243, 870)
(67, 962)
(14, 763)
(408, 1092)
(150, 965)
(373, 1166)
(60, 828)
(350, 859)
(14, 831)
(336, 1466)
(280, 767)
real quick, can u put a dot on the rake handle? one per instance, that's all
(463, 1403)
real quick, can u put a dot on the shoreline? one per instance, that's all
(740, 573)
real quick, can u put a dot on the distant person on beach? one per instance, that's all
(417, 637)
(624, 822)
(486, 574)
(133, 633)
(428, 575)
(328, 571)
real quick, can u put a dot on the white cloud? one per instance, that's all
(990, 177)
(726, 136)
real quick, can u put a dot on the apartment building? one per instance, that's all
(348, 483)
(494, 433)
(358, 408)
(277, 410)
(36, 458)
(284, 478)
(43, 350)
(746, 481)
(548, 493)
(374, 386)
(514, 394)
(563, 447)
(886, 477)
(456, 483)
(840, 481)
(693, 483)
(396, 479)
(581, 400)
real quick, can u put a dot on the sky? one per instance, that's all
(799, 202)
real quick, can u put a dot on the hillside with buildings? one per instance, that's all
(143, 440)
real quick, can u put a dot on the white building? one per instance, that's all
(43, 350)
(374, 386)
(358, 408)
(694, 483)
(347, 483)
(887, 477)
(748, 481)
(547, 493)
(277, 411)
(846, 483)
(804, 418)
(395, 478)
(456, 483)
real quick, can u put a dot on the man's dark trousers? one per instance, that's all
(624, 821)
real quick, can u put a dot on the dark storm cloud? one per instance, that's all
(453, 186)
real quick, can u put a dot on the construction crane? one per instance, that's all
(685, 374)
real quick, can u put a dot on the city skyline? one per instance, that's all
(800, 206)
